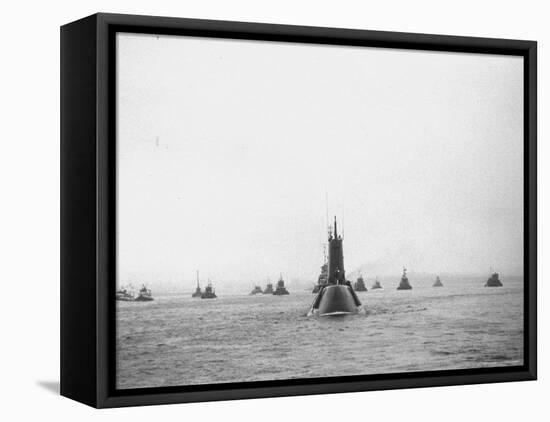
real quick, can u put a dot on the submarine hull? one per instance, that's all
(335, 300)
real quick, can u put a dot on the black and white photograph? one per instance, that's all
(299, 211)
(275, 211)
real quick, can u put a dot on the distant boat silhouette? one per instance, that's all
(198, 291)
(125, 294)
(256, 291)
(280, 289)
(438, 282)
(323, 276)
(493, 281)
(209, 292)
(144, 295)
(376, 285)
(359, 285)
(268, 289)
(404, 284)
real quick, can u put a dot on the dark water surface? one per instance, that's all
(177, 340)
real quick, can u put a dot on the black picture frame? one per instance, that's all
(88, 202)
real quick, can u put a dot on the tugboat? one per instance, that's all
(322, 280)
(404, 284)
(438, 282)
(337, 296)
(209, 292)
(268, 289)
(280, 289)
(493, 281)
(198, 291)
(257, 291)
(125, 294)
(359, 285)
(376, 285)
(144, 295)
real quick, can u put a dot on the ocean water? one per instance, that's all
(177, 340)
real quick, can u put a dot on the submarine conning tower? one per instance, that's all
(336, 272)
(336, 296)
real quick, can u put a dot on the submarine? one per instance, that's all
(336, 296)
(404, 283)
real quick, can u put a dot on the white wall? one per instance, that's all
(29, 170)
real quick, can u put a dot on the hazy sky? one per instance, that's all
(226, 150)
